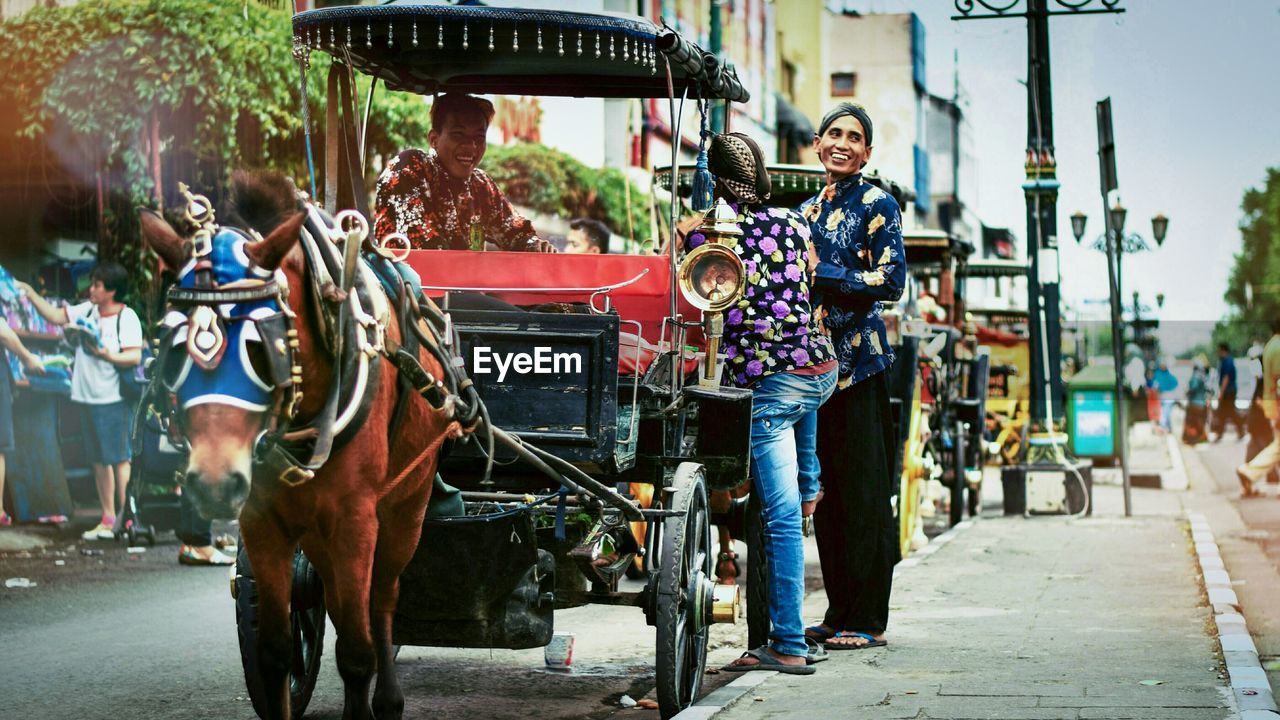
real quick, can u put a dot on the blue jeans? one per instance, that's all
(784, 424)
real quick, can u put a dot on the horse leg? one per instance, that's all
(398, 535)
(272, 561)
(347, 595)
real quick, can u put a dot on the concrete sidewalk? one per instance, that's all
(1039, 618)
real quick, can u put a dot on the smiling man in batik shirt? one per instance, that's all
(443, 200)
(857, 230)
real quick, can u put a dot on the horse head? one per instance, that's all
(228, 347)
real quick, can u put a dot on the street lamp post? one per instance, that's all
(1113, 244)
(1123, 244)
(1040, 189)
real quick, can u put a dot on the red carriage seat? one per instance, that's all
(535, 278)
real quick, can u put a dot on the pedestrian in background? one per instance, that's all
(1193, 428)
(1266, 461)
(1226, 410)
(587, 237)
(774, 346)
(857, 231)
(1165, 384)
(111, 341)
(1255, 420)
(10, 343)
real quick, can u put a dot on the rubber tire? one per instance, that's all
(308, 621)
(973, 496)
(757, 575)
(957, 473)
(686, 546)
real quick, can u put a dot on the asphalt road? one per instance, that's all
(140, 637)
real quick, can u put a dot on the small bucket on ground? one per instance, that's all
(559, 652)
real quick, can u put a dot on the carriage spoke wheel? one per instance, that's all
(757, 574)
(306, 625)
(684, 592)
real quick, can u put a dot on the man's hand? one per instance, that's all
(688, 225)
(537, 244)
(100, 352)
(33, 364)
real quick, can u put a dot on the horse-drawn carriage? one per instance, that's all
(544, 418)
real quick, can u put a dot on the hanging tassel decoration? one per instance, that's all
(701, 200)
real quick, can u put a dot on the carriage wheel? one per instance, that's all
(684, 592)
(973, 494)
(306, 621)
(957, 473)
(757, 575)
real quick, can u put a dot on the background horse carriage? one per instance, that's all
(1004, 332)
(545, 519)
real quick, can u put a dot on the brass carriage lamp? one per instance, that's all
(712, 278)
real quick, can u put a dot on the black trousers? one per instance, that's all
(856, 530)
(1227, 413)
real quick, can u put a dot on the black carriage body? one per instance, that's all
(477, 581)
(550, 378)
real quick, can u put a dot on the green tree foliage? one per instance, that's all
(97, 78)
(1257, 265)
(553, 182)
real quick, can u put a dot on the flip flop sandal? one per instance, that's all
(817, 653)
(765, 661)
(188, 556)
(819, 633)
(872, 642)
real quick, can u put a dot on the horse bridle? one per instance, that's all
(353, 336)
(203, 312)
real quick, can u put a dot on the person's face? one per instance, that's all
(843, 148)
(460, 144)
(578, 242)
(99, 294)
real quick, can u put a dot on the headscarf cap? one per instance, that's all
(847, 109)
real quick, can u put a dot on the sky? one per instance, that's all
(1194, 101)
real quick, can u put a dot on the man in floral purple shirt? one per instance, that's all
(775, 347)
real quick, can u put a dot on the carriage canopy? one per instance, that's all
(429, 48)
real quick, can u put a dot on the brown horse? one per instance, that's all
(359, 518)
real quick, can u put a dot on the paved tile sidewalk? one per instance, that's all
(1040, 618)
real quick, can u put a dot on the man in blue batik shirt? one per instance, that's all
(857, 230)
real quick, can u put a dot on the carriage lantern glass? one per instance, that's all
(712, 278)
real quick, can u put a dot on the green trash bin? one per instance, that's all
(1093, 415)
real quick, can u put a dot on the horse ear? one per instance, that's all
(269, 252)
(174, 252)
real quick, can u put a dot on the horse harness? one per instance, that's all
(234, 340)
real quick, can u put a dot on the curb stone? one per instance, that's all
(1249, 682)
(728, 695)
